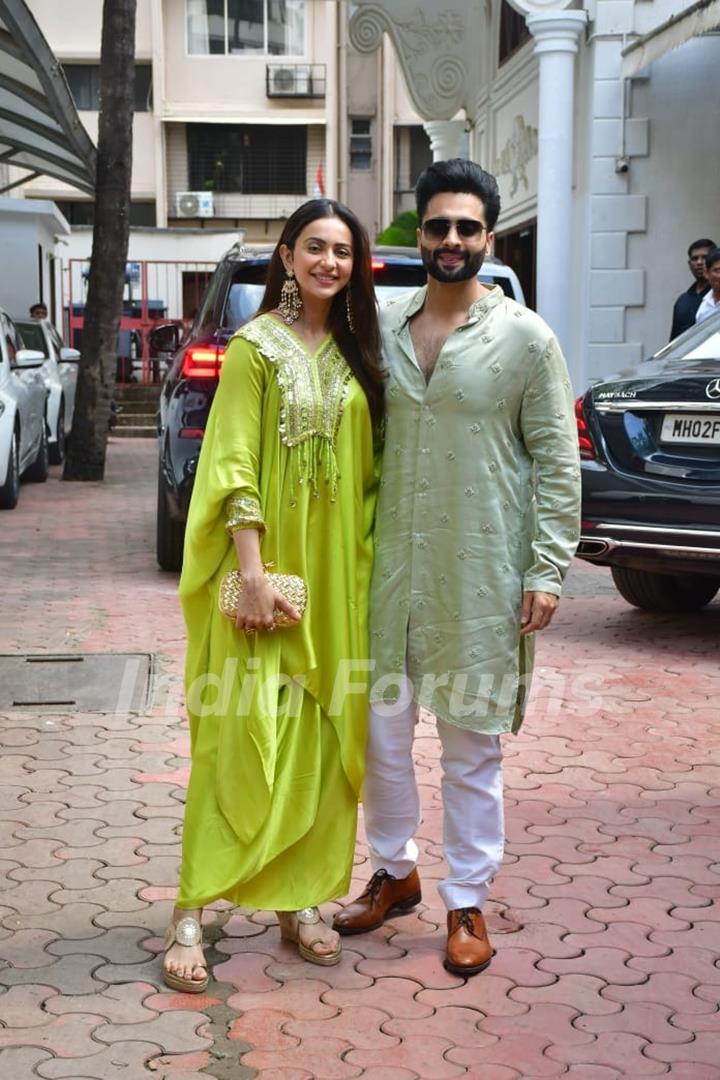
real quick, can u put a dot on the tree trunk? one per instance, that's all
(88, 442)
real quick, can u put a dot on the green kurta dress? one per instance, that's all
(277, 745)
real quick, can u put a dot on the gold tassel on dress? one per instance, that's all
(290, 304)
(349, 312)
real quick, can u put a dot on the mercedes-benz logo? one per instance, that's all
(712, 390)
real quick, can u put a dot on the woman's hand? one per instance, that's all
(257, 605)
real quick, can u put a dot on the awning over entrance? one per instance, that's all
(699, 18)
(39, 126)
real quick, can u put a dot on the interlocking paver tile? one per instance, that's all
(662, 989)
(247, 972)
(326, 1059)
(25, 1006)
(69, 974)
(394, 996)
(175, 1029)
(126, 1004)
(302, 1000)
(179, 1066)
(701, 935)
(425, 1055)
(21, 1063)
(651, 1022)
(458, 1024)
(489, 994)
(119, 945)
(26, 949)
(581, 992)
(608, 964)
(644, 910)
(123, 1059)
(619, 1050)
(630, 937)
(263, 1029)
(343, 975)
(361, 1027)
(480, 1069)
(64, 1036)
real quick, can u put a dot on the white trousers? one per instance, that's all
(472, 796)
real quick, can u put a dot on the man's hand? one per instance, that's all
(538, 609)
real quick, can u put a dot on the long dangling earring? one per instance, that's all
(349, 312)
(290, 304)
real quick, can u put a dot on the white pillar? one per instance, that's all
(447, 138)
(556, 34)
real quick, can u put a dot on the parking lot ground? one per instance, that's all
(605, 916)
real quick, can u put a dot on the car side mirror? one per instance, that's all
(29, 358)
(69, 356)
(165, 339)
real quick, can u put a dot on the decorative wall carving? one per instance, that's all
(517, 153)
(438, 50)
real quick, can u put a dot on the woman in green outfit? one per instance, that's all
(287, 475)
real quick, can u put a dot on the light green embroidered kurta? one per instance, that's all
(479, 500)
(272, 801)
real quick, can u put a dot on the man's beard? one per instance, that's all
(466, 270)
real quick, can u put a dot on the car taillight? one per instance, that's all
(587, 450)
(203, 362)
(377, 264)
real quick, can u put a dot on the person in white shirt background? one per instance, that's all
(711, 300)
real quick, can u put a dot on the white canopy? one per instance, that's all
(40, 129)
(699, 18)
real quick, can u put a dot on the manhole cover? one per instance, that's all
(89, 682)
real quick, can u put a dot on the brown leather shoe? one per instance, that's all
(384, 894)
(468, 948)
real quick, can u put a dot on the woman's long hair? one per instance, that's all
(361, 349)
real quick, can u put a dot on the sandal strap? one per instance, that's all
(308, 916)
(187, 931)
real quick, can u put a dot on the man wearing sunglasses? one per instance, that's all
(477, 521)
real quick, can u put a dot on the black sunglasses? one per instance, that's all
(437, 228)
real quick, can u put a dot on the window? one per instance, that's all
(360, 145)
(246, 27)
(513, 31)
(251, 159)
(84, 83)
(82, 212)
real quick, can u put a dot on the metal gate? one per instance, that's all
(156, 292)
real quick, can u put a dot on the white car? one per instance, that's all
(23, 428)
(60, 372)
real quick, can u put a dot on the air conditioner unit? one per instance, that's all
(190, 204)
(295, 81)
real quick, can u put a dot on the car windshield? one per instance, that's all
(391, 280)
(698, 342)
(33, 336)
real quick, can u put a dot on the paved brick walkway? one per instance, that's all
(605, 916)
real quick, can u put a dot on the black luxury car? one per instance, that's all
(232, 298)
(650, 450)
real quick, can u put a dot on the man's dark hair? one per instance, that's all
(39, 304)
(462, 177)
(712, 257)
(701, 244)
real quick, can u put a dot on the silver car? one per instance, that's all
(23, 429)
(60, 372)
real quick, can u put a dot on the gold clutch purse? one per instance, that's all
(292, 587)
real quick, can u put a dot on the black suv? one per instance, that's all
(233, 296)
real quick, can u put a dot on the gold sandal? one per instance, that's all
(186, 932)
(290, 923)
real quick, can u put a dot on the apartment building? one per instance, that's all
(243, 110)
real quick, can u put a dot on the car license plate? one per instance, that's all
(691, 428)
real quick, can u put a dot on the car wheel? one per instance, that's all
(664, 592)
(57, 449)
(10, 490)
(170, 535)
(37, 473)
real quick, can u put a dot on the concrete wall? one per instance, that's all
(32, 233)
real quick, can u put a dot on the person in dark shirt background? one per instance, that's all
(688, 302)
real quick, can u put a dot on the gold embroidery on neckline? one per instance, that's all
(313, 389)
